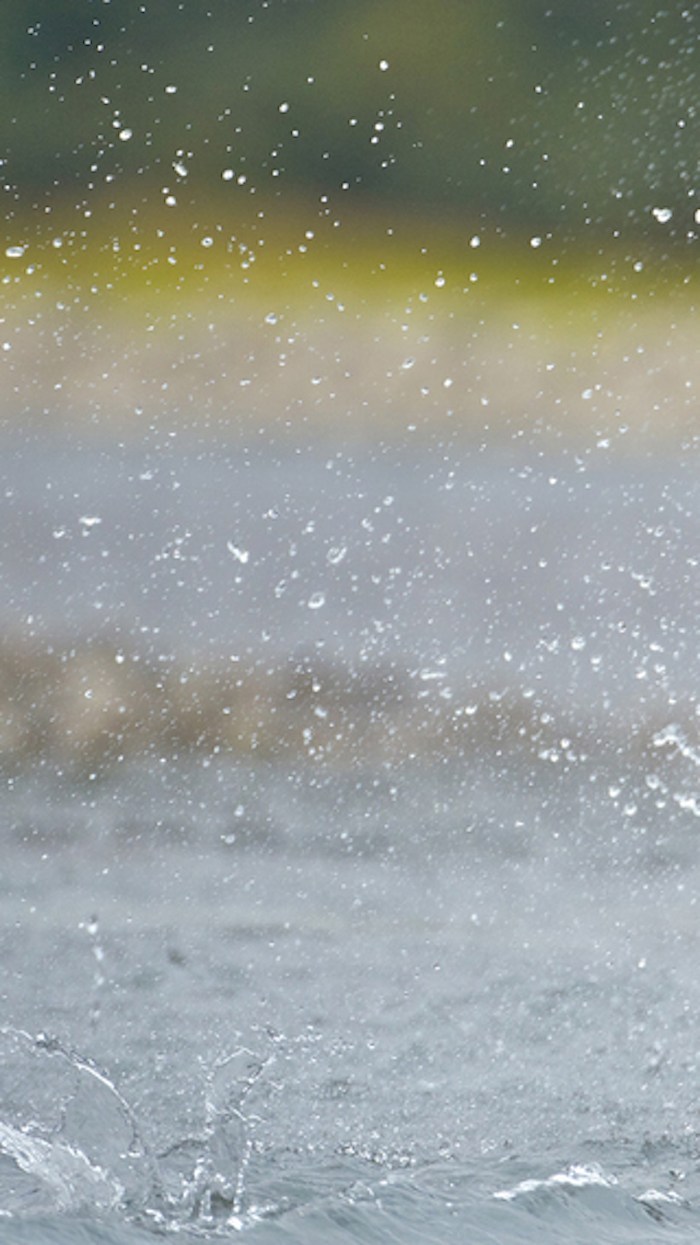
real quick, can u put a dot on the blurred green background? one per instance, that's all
(522, 113)
(266, 223)
(517, 177)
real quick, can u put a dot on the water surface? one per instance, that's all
(384, 925)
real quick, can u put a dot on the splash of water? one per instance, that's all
(70, 1139)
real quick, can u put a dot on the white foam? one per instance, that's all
(578, 1176)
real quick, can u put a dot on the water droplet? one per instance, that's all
(316, 601)
(15, 252)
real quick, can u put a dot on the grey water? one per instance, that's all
(388, 930)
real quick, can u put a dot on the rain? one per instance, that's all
(349, 531)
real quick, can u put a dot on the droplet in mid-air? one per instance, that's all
(241, 555)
